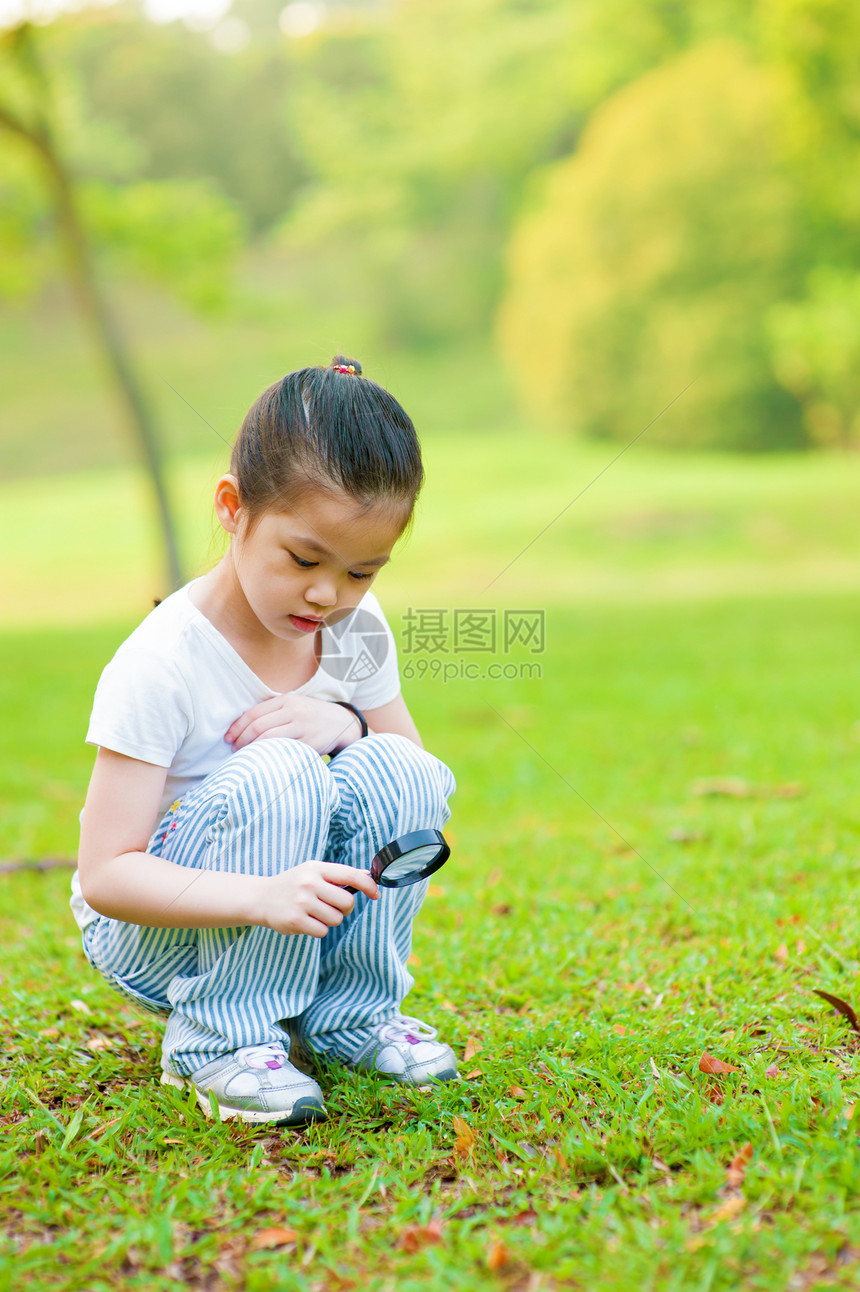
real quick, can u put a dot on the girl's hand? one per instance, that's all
(310, 898)
(325, 726)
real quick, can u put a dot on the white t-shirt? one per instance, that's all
(176, 684)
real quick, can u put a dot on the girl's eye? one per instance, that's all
(309, 565)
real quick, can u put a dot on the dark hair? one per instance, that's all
(324, 427)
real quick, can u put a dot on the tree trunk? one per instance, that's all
(93, 302)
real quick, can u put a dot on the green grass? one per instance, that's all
(600, 925)
(587, 988)
(81, 548)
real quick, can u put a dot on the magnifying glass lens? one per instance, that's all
(410, 858)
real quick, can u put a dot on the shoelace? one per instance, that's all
(270, 1055)
(408, 1029)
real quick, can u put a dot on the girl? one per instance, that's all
(217, 847)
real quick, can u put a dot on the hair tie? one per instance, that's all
(348, 368)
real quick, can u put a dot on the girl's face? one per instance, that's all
(298, 567)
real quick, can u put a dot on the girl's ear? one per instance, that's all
(227, 503)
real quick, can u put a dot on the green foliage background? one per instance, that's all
(628, 195)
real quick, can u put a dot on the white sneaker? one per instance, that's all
(407, 1050)
(256, 1083)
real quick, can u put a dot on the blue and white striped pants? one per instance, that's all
(273, 805)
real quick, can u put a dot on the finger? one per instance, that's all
(349, 875)
(337, 897)
(328, 915)
(316, 928)
(250, 715)
(271, 724)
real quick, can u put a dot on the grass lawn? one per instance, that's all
(601, 925)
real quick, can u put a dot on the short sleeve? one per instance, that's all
(382, 681)
(142, 707)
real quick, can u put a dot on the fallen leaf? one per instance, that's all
(472, 1047)
(681, 834)
(714, 1066)
(435, 890)
(274, 1236)
(413, 960)
(772, 1071)
(465, 1141)
(619, 1029)
(517, 1092)
(801, 947)
(527, 1217)
(655, 1070)
(471, 1076)
(841, 1005)
(418, 1236)
(731, 786)
(848, 1111)
(737, 1167)
(560, 1158)
(498, 1256)
(81, 1006)
(501, 909)
(781, 953)
(98, 1042)
(729, 1209)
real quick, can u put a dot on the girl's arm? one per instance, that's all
(394, 717)
(120, 879)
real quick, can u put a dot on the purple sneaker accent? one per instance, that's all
(274, 1063)
(413, 1040)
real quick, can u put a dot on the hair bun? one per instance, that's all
(342, 364)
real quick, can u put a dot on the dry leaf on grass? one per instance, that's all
(517, 1092)
(619, 1029)
(841, 1005)
(274, 1236)
(737, 1167)
(731, 786)
(781, 953)
(465, 1141)
(473, 1075)
(772, 1071)
(736, 787)
(728, 1210)
(498, 1256)
(473, 1045)
(418, 1236)
(715, 1067)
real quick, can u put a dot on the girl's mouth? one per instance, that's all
(305, 625)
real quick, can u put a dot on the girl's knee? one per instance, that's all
(379, 758)
(280, 763)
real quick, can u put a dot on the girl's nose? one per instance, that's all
(323, 592)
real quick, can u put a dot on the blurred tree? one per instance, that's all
(421, 131)
(651, 258)
(816, 336)
(195, 112)
(816, 347)
(183, 234)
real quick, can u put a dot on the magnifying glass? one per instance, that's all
(409, 859)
